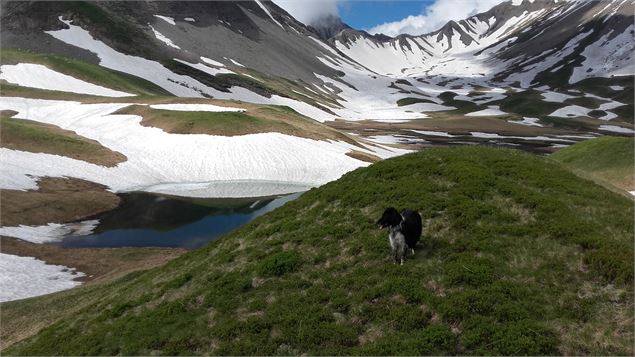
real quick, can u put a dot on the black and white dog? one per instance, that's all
(404, 231)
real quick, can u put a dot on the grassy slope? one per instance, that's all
(256, 119)
(519, 256)
(412, 100)
(528, 103)
(84, 71)
(606, 160)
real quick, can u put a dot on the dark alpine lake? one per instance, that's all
(153, 220)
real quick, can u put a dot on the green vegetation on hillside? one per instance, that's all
(607, 160)
(528, 103)
(255, 119)
(202, 122)
(85, 71)
(412, 100)
(519, 257)
(462, 106)
(602, 87)
(587, 102)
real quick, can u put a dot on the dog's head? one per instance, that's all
(391, 217)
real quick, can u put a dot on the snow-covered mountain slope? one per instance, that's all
(254, 51)
(516, 42)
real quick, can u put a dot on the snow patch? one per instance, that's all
(434, 133)
(394, 139)
(207, 69)
(163, 38)
(492, 110)
(196, 108)
(51, 232)
(571, 111)
(478, 134)
(384, 139)
(616, 129)
(268, 13)
(607, 58)
(156, 157)
(238, 188)
(152, 71)
(555, 97)
(236, 63)
(212, 62)
(23, 277)
(167, 19)
(527, 121)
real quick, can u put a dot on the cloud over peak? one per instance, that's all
(310, 11)
(434, 17)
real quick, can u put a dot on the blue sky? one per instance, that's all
(367, 14)
(390, 17)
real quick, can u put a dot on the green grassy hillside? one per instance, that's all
(519, 256)
(606, 160)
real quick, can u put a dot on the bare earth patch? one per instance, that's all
(359, 155)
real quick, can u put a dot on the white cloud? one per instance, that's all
(435, 16)
(308, 11)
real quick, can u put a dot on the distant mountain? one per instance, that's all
(328, 26)
(328, 70)
(259, 35)
(522, 42)
(515, 42)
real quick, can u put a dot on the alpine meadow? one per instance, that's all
(262, 178)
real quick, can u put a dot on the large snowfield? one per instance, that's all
(155, 157)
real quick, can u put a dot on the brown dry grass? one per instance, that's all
(56, 200)
(255, 119)
(362, 156)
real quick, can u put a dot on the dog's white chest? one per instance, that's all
(391, 239)
(394, 238)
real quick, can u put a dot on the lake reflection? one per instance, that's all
(152, 220)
